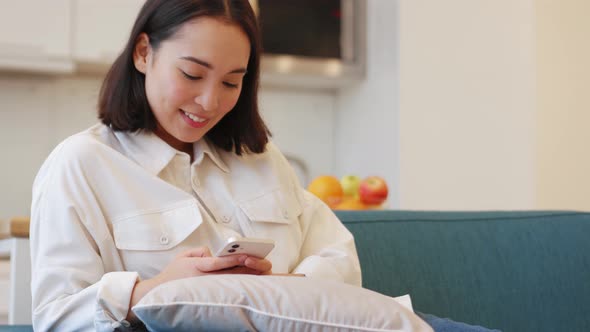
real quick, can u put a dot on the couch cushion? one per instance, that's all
(516, 271)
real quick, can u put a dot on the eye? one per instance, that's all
(189, 77)
(230, 85)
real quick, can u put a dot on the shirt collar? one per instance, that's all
(153, 154)
(204, 147)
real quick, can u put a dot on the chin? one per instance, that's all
(191, 138)
(186, 134)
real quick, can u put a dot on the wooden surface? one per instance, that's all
(4, 229)
(19, 227)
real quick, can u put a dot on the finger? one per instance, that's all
(210, 264)
(239, 270)
(196, 252)
(259, 264)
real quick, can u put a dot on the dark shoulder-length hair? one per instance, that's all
(123, 104)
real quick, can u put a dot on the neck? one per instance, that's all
(174, 142)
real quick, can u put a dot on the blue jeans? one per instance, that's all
(447, 325)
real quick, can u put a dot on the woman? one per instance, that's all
(180, 162)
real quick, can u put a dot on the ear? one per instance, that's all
(141, 52)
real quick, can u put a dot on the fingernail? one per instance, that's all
(242, 259)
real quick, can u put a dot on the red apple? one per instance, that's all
(373, 190)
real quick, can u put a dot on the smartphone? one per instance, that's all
(246, 246)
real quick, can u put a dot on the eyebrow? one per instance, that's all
(208, 65)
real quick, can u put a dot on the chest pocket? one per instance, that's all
(158, 229)
(272, 207)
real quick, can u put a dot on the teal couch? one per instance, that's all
(513, 271)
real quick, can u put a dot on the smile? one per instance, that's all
(194, 117)
(193, 120)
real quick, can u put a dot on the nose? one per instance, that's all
(208, 99)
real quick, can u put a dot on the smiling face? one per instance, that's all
(194, 78)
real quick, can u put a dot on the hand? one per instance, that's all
(251, 265)
(199, 262)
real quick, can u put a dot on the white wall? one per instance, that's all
(467, 104)
(367, 118)
(301, 122)
(563, 53)
(35, 114)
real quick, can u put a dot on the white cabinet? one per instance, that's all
(4, 286)
(101, 28)
(35, 35)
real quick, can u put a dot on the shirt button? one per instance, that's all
(225, 219)
(286, 214)
(164, 240)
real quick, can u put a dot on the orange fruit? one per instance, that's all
(328, 189)
(351, 204)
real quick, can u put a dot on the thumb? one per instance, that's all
(196, 252)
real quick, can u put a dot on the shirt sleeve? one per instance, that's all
(328, 249)
(71, 291)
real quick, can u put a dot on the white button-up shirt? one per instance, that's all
(111, 207)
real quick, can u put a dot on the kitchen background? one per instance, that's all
(464, 105)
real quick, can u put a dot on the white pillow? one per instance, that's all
(271, 303)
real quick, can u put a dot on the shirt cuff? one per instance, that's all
(113, 298)
(318, 267)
